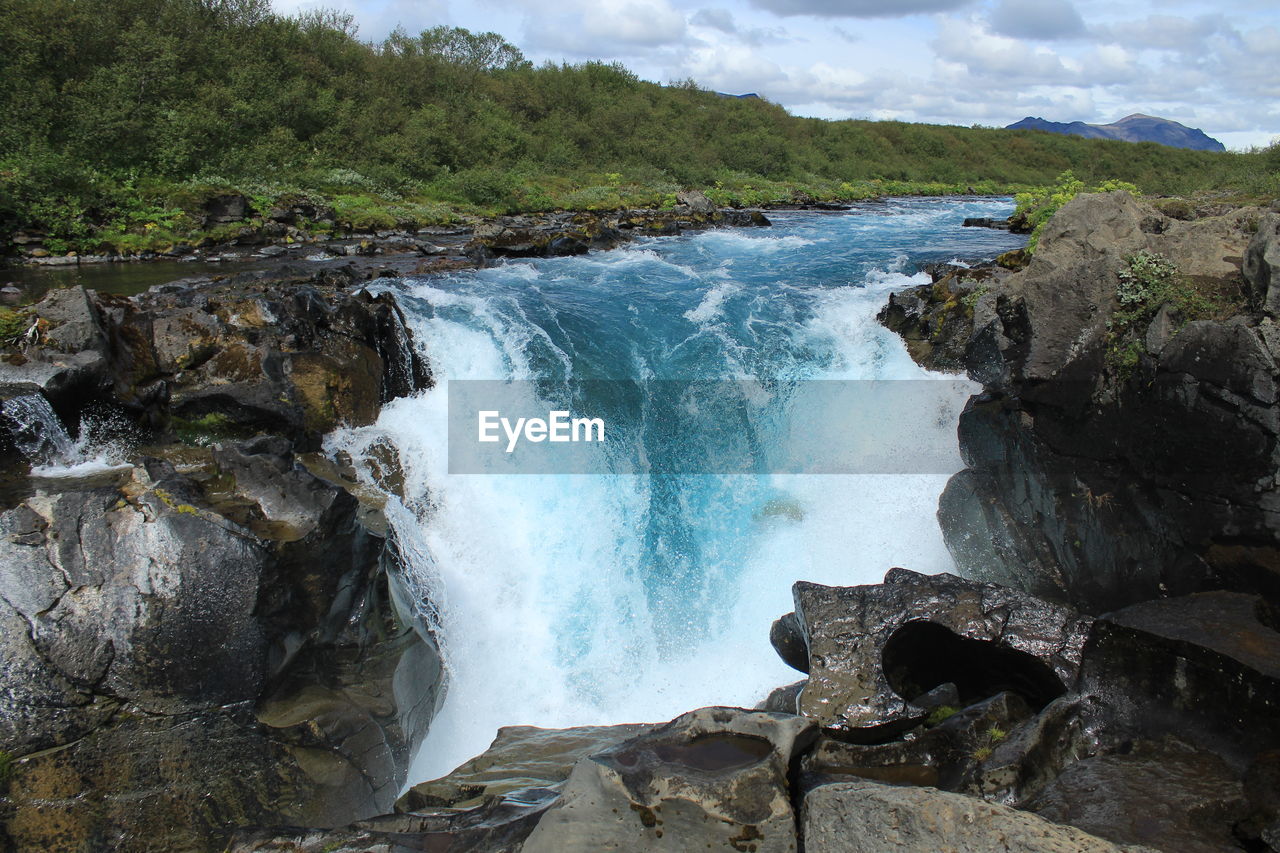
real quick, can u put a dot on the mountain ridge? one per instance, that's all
(1136, 127)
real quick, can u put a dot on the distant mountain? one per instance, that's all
(1134, 128)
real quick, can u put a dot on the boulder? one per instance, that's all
(520, 758)
(945, 754)
(1166, 795)
(294, 358)
(866, 817)
(1101, 485)
(187, 651)
(875, 649)
(696, 202)
(713, 778)
(1206, 663)
(787, 638)
(65, 354)
(1261, 266)
(228, 207)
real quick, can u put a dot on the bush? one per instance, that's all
(1146, 278)
(1036, 207)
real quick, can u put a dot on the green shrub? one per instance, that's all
(1036, 207)
(1146, 278)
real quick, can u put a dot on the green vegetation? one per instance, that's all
(940, 713)
(1148, 281)
(200, 432)
(120, 119)
(1036, 207)
(6, 769)
(13, 325)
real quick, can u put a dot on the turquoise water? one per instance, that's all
(573, 600)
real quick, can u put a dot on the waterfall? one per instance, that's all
(36, 430)
(564, 599)
(40, 436)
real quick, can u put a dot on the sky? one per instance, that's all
(1211, 65)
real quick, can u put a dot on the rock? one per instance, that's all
(520, 758)
(787, 638)
(696, 202)
(874, 649)
(65, 354)
(785, 700)
(1162, 328)
(189, 652)
(713, 778)
(1207, 663)
(744, 218)
(937, 320)
(1034, 753)
(866, 817)
(228, 207)
(1165, 795)
(1101, 485)
(1262, 793)
(987, 222)
(498, 826)
(945, 755)
(256, 356)
(1261, 266)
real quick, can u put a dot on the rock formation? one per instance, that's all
(216, 633)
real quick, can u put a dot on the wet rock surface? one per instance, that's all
(874, 649)
(1122, 756)
(293, 356)
(713, 778)
(1106, 477)
(210, 635)
(1162, 794)
(520, 758)
(177, 661)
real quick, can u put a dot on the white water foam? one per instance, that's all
(542, 607)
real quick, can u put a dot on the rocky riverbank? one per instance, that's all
(1126, 444)
(936, 713)
(212, 628)
(235, 233)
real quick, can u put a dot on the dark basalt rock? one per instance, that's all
(946, 755)
(874, 649)
(988, 222)
(787, 638)
(936, 320)
(1165, 795)
(520, 758)
(558, 234)
(1101, 487)
(1261, 265)
(183, 654)
(1208, 663)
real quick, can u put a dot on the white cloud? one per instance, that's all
(605, 28)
